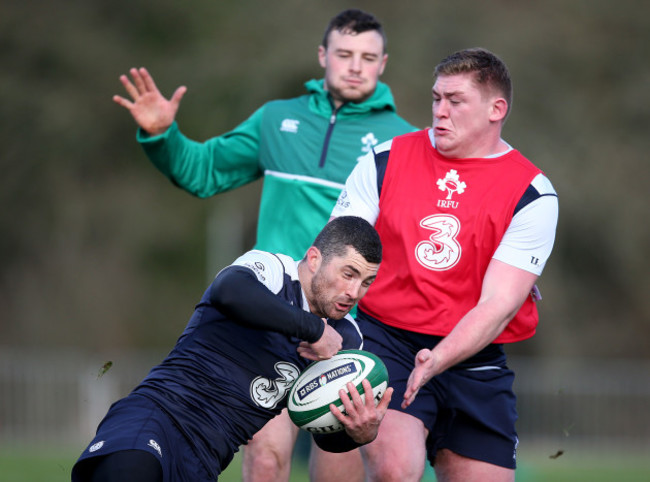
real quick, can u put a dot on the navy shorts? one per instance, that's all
(469, 409)
(137, 423)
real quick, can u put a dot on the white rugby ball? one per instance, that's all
(318, 386)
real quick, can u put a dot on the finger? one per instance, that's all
(305, 349)
(339, 415)
(345, 399)
(410, 392)
(423, 355)
(129, 87)
(178, 95)
(307, 353)
(368, 392)
(147, 80)
(137, 80)
(415, 380)
(408, 400)
(123, 102)
(385, 400)
(412, 387)
(354, 393)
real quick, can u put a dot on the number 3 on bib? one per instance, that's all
(441, 251)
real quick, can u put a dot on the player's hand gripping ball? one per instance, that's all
(318, 386)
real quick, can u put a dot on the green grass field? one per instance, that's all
(22, 465)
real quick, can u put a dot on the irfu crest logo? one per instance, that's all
(451, 183)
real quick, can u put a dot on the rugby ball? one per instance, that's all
(318, 386)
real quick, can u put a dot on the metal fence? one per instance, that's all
(57, 399)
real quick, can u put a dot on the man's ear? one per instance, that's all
(314, 258)
(499, 109)
(322, 56)
(383, 64)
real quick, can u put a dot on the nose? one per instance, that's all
(353, 290)
(440, 108)
(355, 63)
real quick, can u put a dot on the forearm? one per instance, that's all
(205, 168)
(477, 329)
(238, 294)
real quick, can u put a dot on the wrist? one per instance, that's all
(157, 130)
(315, 331)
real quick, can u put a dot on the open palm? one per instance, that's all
(150, 109)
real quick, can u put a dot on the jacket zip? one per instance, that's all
(328, 136)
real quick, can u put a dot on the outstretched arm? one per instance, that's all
(504, 290)
(150, 109)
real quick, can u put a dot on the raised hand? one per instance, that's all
(150, 109)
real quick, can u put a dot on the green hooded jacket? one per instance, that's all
(303, 148)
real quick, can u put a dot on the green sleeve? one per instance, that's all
(207, 168)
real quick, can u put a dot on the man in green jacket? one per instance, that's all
(304, 148)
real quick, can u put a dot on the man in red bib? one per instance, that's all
(467, 224)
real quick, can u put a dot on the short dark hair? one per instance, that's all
(490, 71)
(349, 231)
(354, 21)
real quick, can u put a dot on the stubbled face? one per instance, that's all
(463, 117)
(339, 284)
(353, 64)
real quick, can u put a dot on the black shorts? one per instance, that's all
(469, 409)
(137, 423)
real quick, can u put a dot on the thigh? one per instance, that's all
(398, 452)
(267, 456)
(278, 434)
(451, 467)
(334, 467)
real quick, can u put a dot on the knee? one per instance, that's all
(394, 465)
(390, 471)
(334, 467)
(261, 462)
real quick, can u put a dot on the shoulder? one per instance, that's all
(257, 257)
(543, 185)
(270, 269)
(521, 162)
(382, 151)
(284, 106)
(540, 188)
